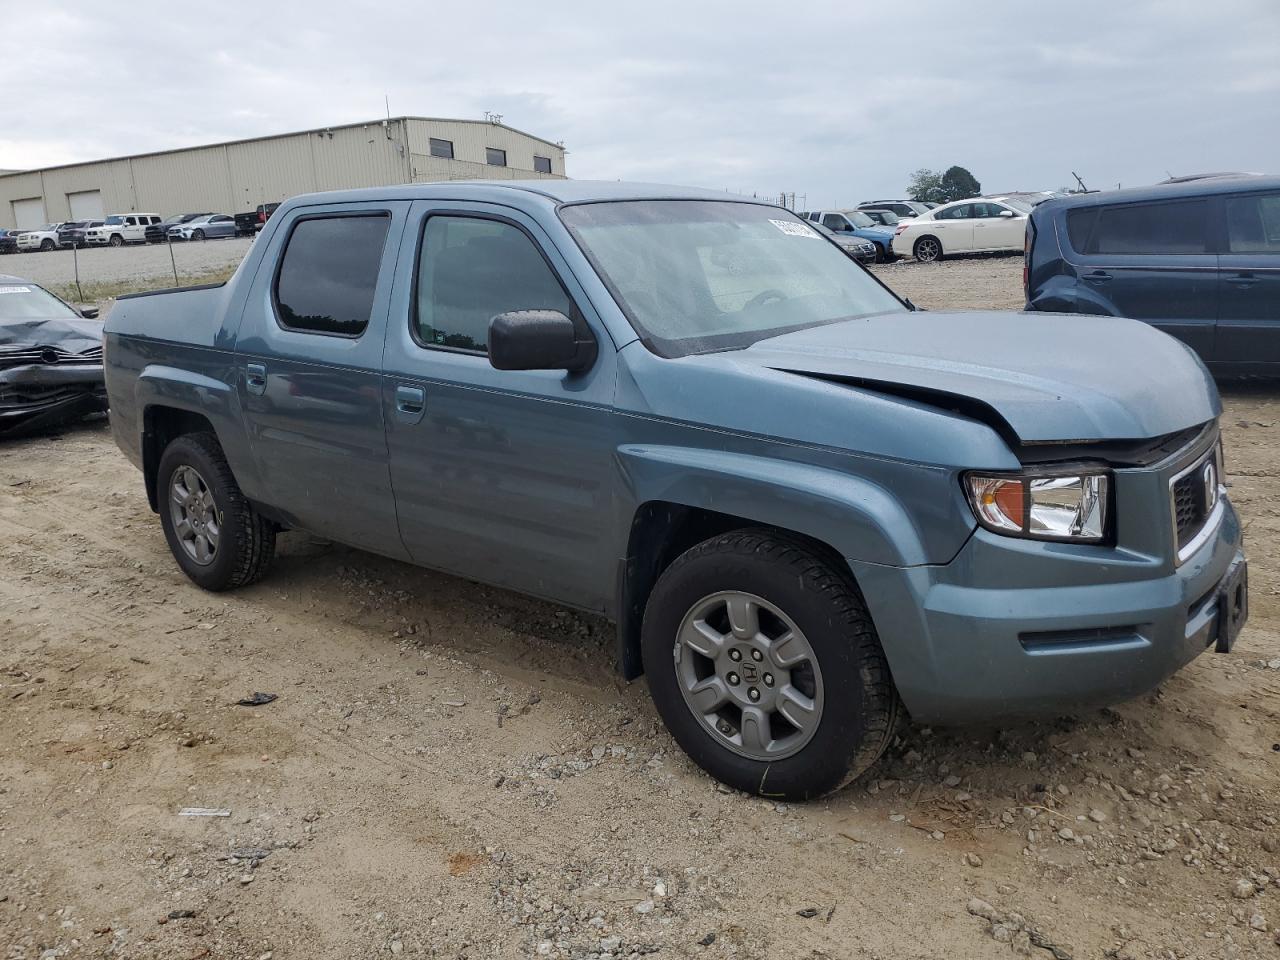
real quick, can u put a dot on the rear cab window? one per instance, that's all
(328, 273)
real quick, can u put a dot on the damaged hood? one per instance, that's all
(1044, 377)
(73, 334)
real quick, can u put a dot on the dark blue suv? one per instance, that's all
(1198, 260)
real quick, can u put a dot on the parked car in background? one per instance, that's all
(857, 224)
(207, 227)
(809, 508)
(71, 234)
(250, 222)
(41, 238)
(864, 251)
(1198, 259)
(903, 208)
(121, 228)
(886, 218)
(159, 232)
(50, 359)
(8, 240)
(966, 226)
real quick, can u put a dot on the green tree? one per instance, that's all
(958, 183)
(926, 186)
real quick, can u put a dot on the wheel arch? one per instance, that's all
(697, 494)
(915, 244)
(161, 425)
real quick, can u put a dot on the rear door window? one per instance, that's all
(329, 273)
(1253, 224)
(1181, 227)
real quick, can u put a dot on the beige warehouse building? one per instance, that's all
(239, 175)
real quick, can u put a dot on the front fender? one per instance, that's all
(861, 519)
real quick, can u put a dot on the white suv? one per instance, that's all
(41, 238)
(121, 228)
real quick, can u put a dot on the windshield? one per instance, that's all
(114, 221)
(1016, 203)
(24, 301)
(860, 219)
(699, 275)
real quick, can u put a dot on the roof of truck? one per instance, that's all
(558, 191)
(1203, 187)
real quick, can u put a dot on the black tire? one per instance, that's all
(883, 255)
(117, 240)
(47, 245)
(860, 712)
(928, 249)
(247, 541)
(197, 234)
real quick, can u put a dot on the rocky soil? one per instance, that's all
(452, 771)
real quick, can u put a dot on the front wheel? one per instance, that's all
(765, 666)
(117, 240)
(928, 250)
(197, 234)
(219, 540)
(47, 245)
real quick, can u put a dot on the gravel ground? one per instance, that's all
(106, 271)
(454, 771)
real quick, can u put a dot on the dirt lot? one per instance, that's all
(454, 771)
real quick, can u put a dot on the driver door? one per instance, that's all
(502, 476)
(992, 230)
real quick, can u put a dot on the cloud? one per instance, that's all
(835, 101)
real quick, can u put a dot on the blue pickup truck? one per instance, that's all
(808, 507)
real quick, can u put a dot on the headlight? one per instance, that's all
(1068, 507)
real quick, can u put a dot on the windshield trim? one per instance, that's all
(672, 349)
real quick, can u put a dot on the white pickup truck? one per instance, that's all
(121, 228)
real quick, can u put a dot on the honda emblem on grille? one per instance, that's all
(1210, 478)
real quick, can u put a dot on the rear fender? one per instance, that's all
(213, 399)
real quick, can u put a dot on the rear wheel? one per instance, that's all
(765, 666)
(117, 240)
(928, 249)
(218, 538)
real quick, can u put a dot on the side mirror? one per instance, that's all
(538, 340)
(1006, 213)
(89, 313)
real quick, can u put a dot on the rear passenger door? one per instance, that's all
(309, 357)
(1249, 284)
(1153, 262)
(503, 476)
(953, 226)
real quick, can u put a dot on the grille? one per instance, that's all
(1194, 494)
(47, 356)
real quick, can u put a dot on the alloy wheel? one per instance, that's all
(196, 520)
(749, 674)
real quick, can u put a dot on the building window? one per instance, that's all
(471, 270)
(329, 273)
(542, 164)
(442, 148)
(495, 157)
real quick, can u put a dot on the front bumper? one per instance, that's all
(35, 397)
(1015, 627)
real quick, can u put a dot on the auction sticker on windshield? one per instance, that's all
(15, 289)
(793, 229)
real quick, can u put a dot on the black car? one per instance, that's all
(1199, 260)
(9, 240)
(72, 234)
(159, 232)
(50, 359)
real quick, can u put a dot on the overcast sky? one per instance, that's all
(838, 101)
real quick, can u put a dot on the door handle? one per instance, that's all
(1243, 279)
(255, 378)
(411, 403)
(1098, 276)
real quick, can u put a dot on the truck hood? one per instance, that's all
(1043, 377)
